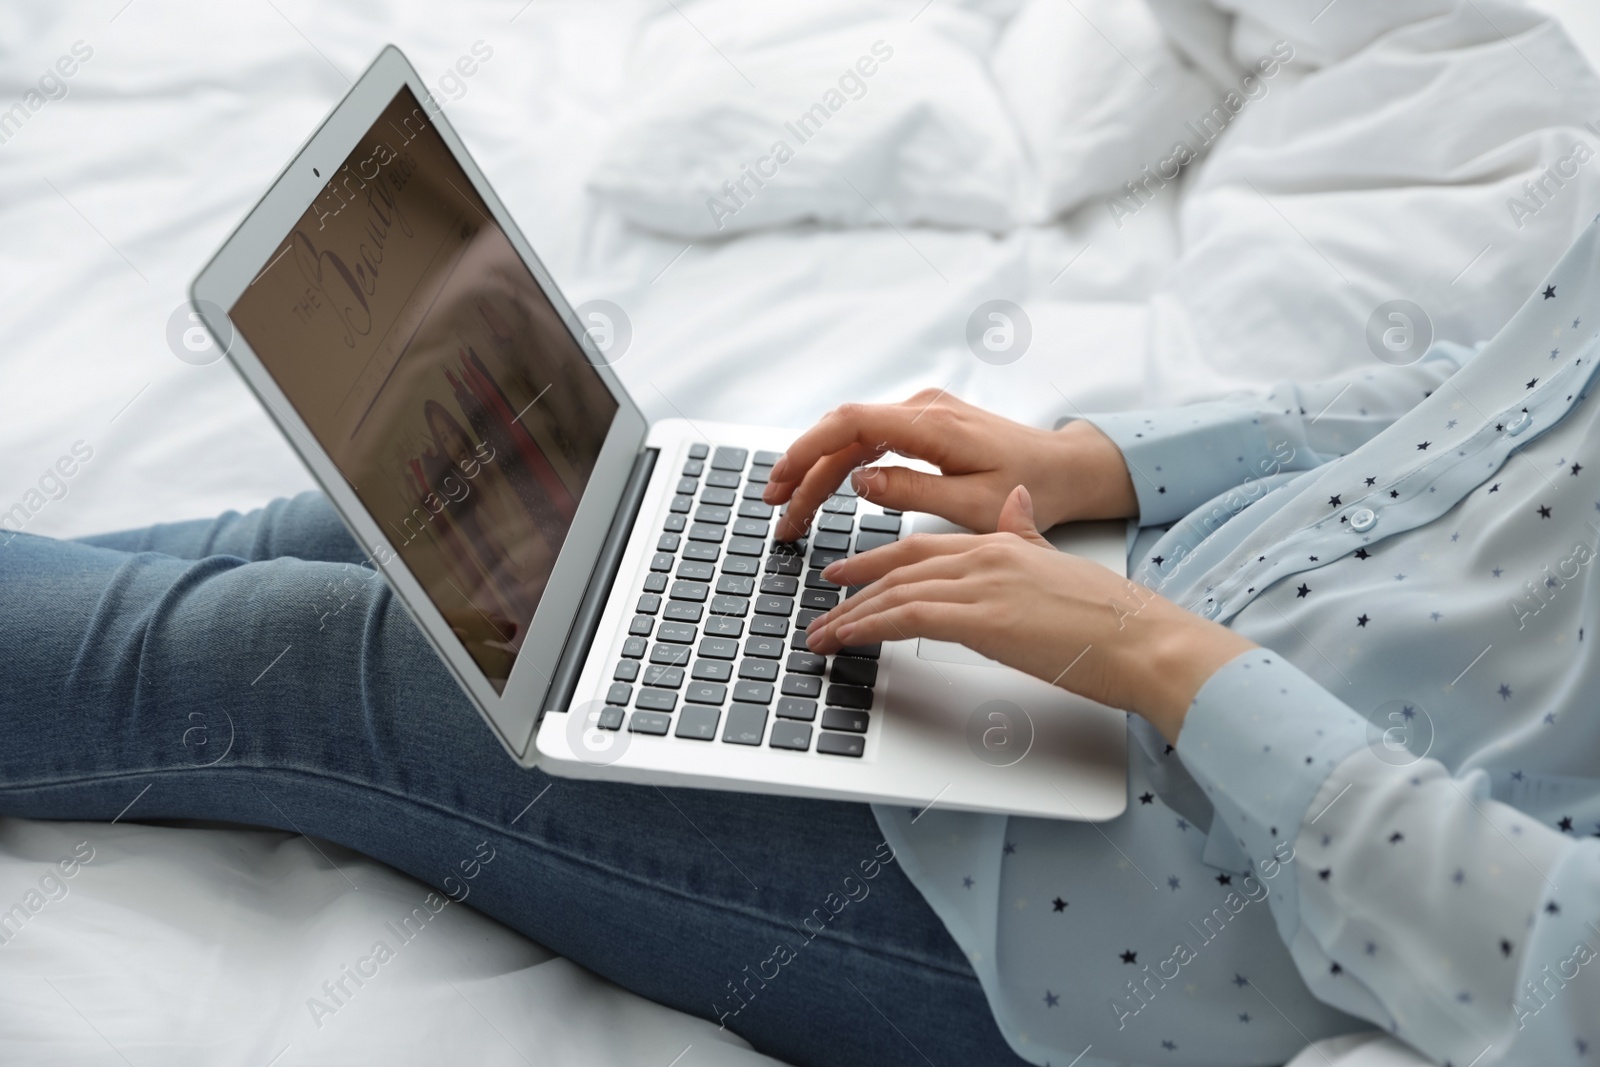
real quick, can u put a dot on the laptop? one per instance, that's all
(605, 589)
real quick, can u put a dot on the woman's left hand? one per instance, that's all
(1012, 597)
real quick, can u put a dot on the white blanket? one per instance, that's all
(1374, 165)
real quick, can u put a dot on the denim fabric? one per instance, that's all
(249, 669)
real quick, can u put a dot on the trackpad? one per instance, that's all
(950, 652)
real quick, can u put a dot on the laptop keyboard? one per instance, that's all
(716, 649)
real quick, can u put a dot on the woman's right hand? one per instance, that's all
(1072, 473)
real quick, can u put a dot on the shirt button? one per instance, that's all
(1518, 424)
(1212, 610)
(1363, 519)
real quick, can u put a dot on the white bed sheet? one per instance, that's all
(179, 946)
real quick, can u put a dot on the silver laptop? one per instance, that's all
(605, 589)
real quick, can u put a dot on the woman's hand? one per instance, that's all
(1073, 473)
(1012, 597)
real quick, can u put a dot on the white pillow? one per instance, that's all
(1098, 95)
(851, 121)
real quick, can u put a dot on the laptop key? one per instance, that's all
(795, 708)
(766, 458)
(850, 696)
(871, 651)
(649, 604)
(699, 450)
(790, 548)
(840, 505)
(696, 591)
(866, 542)
(655, 583)
(721, 497)
(832, 542)
(841, 744)
(759, 670)
(641, 625)
(774, 605)
(753, 491)
(746, 546)
(675, 524)
(723, 479)
(741, 565)
(682, 611)
(627, 670)
(663, 677)
(802, 685)
(670, 655)
(765, 647)
(688, 486)
(656, 700)
(710, 670)
(755, 509)
(729, 459)
(696, 570)
(678, 633)
(791, 735)
(736, 585)
(649, 722)
(693, 468)
(806, 616)
(662, 561)
(790, 565)
(668, 542)
(815, 580)
(798, 641)
(723, 626)
(610, 719)
(824, 556)
(707, 513)
(704, 551)
(619, 693)
(769, 626)
(847, 670)
(681, 504)
(702, 531)
(760, 474)
(718, 647)
(705, 693)
(634, 647)
(806, 663)
(730, 605)
(780, 585)
(818, 598)
(835, 523)
(847, 719)
(880, 524)
(745, 527)
(697, 723)
(746, 724)
(846, 488)
(753, 692)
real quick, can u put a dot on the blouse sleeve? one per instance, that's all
(1406, 896)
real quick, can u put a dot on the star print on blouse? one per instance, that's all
(1050, 999)
(1224, 879)
(1576, 467)
(1362, 553)
(1531, 383)
(1549, 292)
(1361, 620)
(1147, 798)
(1130, 957)
(1544, 511)
(1372, 481)
(1505, 691)
(1058, 904)
(1303, 591)
(1333, 501)
(1423, 447)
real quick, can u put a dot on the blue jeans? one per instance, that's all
(249, 669)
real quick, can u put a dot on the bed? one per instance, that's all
(1004, 150)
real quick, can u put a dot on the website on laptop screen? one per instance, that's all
(434, 371)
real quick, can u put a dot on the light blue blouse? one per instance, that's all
(1388, 815)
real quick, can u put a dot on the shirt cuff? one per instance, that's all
(1260, 739)
(1182, 457)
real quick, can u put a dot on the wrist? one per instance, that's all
(1092, 475)
(1177, 654)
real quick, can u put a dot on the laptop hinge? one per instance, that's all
(565, 679)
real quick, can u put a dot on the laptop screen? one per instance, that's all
(436, 374)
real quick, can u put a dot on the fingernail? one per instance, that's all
(830, 570)
(845, 632)
(858, 482)
(780, 468)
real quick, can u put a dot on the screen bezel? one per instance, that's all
(514, 712)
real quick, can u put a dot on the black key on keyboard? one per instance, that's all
(805, 616)
(850, 696)
(697, 570)
(817, 598)
(656, 700)
(721, 497)
(675, 524)
(708, 513)
(832, 542)
(759, 670)
(681, 504)
(846, 719)
(765, 647)
(723, 626)
(682, 611)
(746, 724)
(723, 480)
(798, 641)
(866, 542)
(880, 524)
(841, 744)
(755, 509)
(753, 491)
(710, 670)
(769, 626)
(677, 633)
(835, 523)
(766, 458)
(760, 473)
(741, 565)
(649, 722)
(619, 693)
(688, 486)
(696, 591)
(790, 548)
(670, 655)
(699, 450)
(751, 528)
(815, 580)
(655, 583)
(746, 546)
(705, 531)
(718, 647)
(792, 735)
(806, 663)
(704, 551)
(705, 693)
(802, 685)
(840, 505)
(790, 565)
(728, 459)
(634, 647)
(753, 692)
(780, 585)
(847, 670)
(774, 605)
(692, 468)
(824, 556)
(795, 708)
(610, 719)
(730, 605)
(736, 585)
(641, 625)
(649, 604)
(627, 670)
(662, 561)
(663, 677)
(871, 651)
(668, 542)
(698, 723)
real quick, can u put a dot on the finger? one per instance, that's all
(886, 427)
(870, 566)
(957, 497)
(817, 486)
(1016, 517)
(939, 620)
(893, 590)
